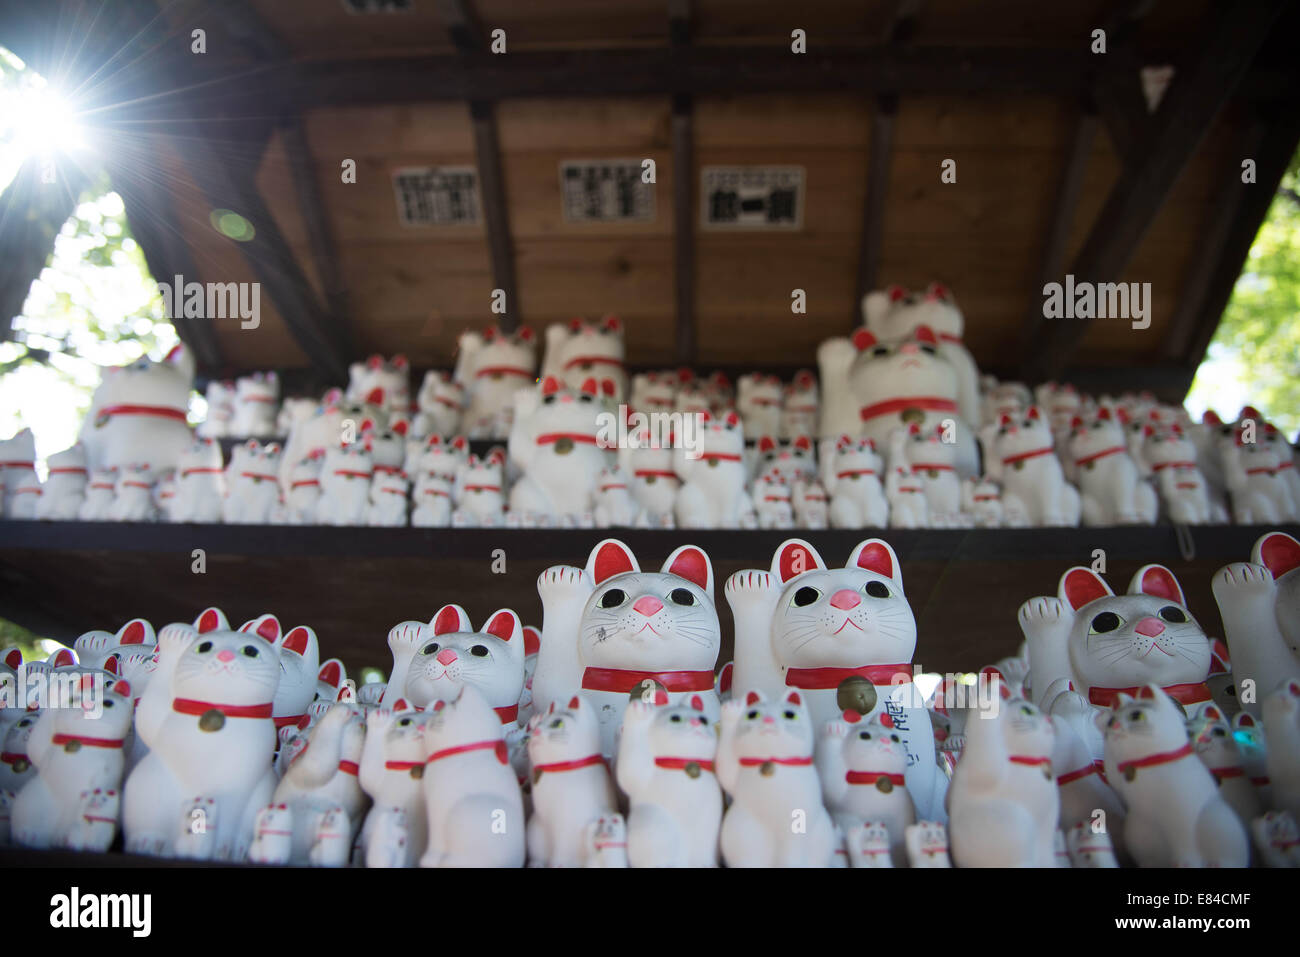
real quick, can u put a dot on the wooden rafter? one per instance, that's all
(684, 211)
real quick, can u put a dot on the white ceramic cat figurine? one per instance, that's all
(253, 485)
(431, 500)
(651, 479)
(1282, 724)
(713, 486)
(931, 459)
(1260, 604)
(666, 767)
(1277, 838)
(772, 502)
(475, 810)
(758, 400)
(65, 485)
(654, 391)
(100, 493)
(207, 720)
(492, 367)
(1020, 457)
(302, 500)
(1106, 643)
(861, 764)
(765, 763)
(94, 648)
(811, 505)
(852, 473)
(1089, 847)
(906, 497)
(1212, 740)
(571, 785)
(1176, 816)
(637, 627)
(272, 835)
(579, 350)
(133, 495)
(164, 496)
(345, 480)
(800, 408)
(392, 772)
(220, 396)
(440, 402)
(1111, 489)
(791, 461)
(1076, 762)
(257, 402)
(18, 480)
(927, 845)
(299, 653)
(100, 809)
(480, 492)
(292, 412)
(615, 507)
(1004, 807)
(1260, 495)
(75, 749)
(381, 382)
(389, 500)
(200, 483)
(981, 499)
(137, 413)
(16, 767)
(1171, 458)
(336, 421)
(555, 443)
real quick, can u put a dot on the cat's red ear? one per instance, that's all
(1278, 552)
(575, 703)
(211, 619)
(400, 427)
(403, 705)
(1147, 693)
(331, 673)
(613, 323)
(267, 626)
(551, 385)
(113, 665)
(14, 658)
(793, 697)
(766, 444)
(693, 564)
(863, 340)
(504, 624)
(1081, 585)
(661, 697)
(1104, 413)
(753, 698)
(63, 658)
(121, 687)
(897, 293)
(1220, 660)
(298, 640)
(526, 334)
(926, 334)
(608, 387)
(1212, 713)
(590, 386)
(732, 419)
(804, 443)
(449, 619)
(1033, 413)
(609, 558)
(550, 709)
(794, 557)
(875, 555)
(532, 641)
(460, 443)
(724, 678)
(1243, 719)
(697, 702)
(137, 631)
(1157, 581)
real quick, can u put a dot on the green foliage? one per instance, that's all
(27, 642)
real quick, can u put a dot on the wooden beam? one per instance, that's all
(685, 215)
(902, 24)
(496, 215)
(873, 206)
(1189, 108)
(1068, 189)
(1118, 91)
(462, 24)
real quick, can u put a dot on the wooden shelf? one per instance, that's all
(352, 584)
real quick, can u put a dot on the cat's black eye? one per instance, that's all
(1135, 715)
(585, 398)
(704, 720)
(864, 735)
(430, 649)
(479, 651)
(894, 738)
(1220, 733)
(880, 351)
(107, 703)
(928, 350)
(681, 596)
(557, 723)
(405, 722)
(1175, 615)
(1106, 621)
(753, 715)
(1025, 709)
(806, 596)
(548, 400)
(204, 647)
(876, 590)
(1029, 423)
(791, 715)
(612, 598)
(249, 651)
(676, 719)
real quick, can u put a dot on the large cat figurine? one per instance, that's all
(492, 366)
(391, 774)
(845, 638)
(1260, 604)
(65, 485)
(1019, 455)
(200, 483)
(555, 443)
(385, 383)
(1107, 644)
(475, 809)
(1176, 816)
(138, 413)
(581, 350)
(713, 485)
(207, 720)
(765, 762)
(666, 766)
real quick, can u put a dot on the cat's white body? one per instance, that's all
(345, 479)
(555, 443)
(138, 413)
(391, 774)
(861, 764)
(1282, 724)
(302, 496)
(335, 421)
(1211, 735)
(1260, 604)
(765, 763)
(758, 400)
(852, 472)
(773, 506)
(1176, 816)
(1172, 460)
(200, 484)
(133, 499)
(1076, 763)
(475, 809)
(1111, 488)
(713, 493)
(615, 507)
(257, 403)
(440, 402)
(801, 407)
(927, 845)
(207, 720)
(431, 500)
(390, 502)
(811, 505)
(571, 791)
(65, 485)
(220, 396)
(100, 493)
(931, 463)
(480, 492)
(1004, 806)
(666, 767)
(982, 501)
(19, 483)
(651, 479)
(253, 485)
(78, 752)
(1260, 494)
(492, 367)
(579, 350)
(1034, 491)
(906, 496)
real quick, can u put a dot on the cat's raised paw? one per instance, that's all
(1042, 611)
(1245, 578)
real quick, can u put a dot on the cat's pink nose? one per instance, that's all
(845, 598)
(1150, 627)
(648, 605)
(225, 654)
(446, 656)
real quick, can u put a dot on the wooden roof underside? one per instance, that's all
(1060, 167)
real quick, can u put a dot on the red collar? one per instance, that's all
(436, 491)
(260, 476)
(1113, 450)
(593, 361)
(136, 485)
(762, 400)
(1160, 466)
(403, 765)
(850, 472)
(71, 470)
(256, 398)
(503, 370)
(679, 764)
(161, 411)
(1151, 760)
(622, 682)
(387, 469)
(792, 762)
(482, 488)
(25, 465)
(550, 438)
(204, 471)
(190, 706)
(1221, 773)
(498, 745)
(89, 742)
(1095, 768)
(12, 757)
(657, 473)
(930, 467)
(347, 473)
(931, 402)
(290, 720)
(948, 337)
(1032, 761)
(588, 761)
(1021, 456)
(821, 679)
(1262, 470)
(1192, 693)
(302, 483)
(720, 457)
(349, 767)
(508, 714)
(871, 777)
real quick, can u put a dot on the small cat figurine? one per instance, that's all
(615, 507)
(906, 497)
(65, 485)
(431, 500)
(16, 767)
(666, 767)
(868, 845)
(1282, 723)
(480, 492)
(1111, 488)
(19, 483)
(475, 810)
(391, 774)
(555, 442)
(200, 483)
(811, 505)
(94, 648)
(654, 391)
(927, 845)
(1089, 847)
(492, 366)
(272, 835)
(257, 402)
(1260, 604)
(302, 501)
(220, 396)
(852, 474)
(387, 447)
(861, 764)
(138, 413)
(292, 412)
(931, 461)
(758, 400)
(791, 461)
(1020, 456)
(133, 496)
(1212, 740)
(345, 480)
(1176, 815)
(800, 407)
(385, 383)
(981, 499)
(1277, 838)
(100, 493)
(651, 479)
(1171, 457)
(579, 350)
(1004, 807)
(389, 500)
(571, 786)
(772, 501)
(253, 485)
(96, 826)
(713, 486)
(1076, 762)
(765, 763)
(440, 402)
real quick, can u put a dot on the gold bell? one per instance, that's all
(1130, 774)
(884, 785)
(212, 720)
(417, 772)
(72, 747)
(768, 769)
(563, 446)
(692, 769)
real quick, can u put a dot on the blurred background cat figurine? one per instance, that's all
(441, 401)
(200, 483)
(100, 493)
(257, 402)
(389, 500)
(1019, 455)
(65, 485)
(345, 480)
(555, 443)
(580, 350)
(253, 485)
(480, 491)
(1111, 488)
(381, 382)
(220, 397)
(713, 492)
(303, 496)
(133, 496)
(18, 479)
(491, 367)
(759, 401)
(615, 507)
(852, 472)
(861, 764)
(800, 407)
(138, 413)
